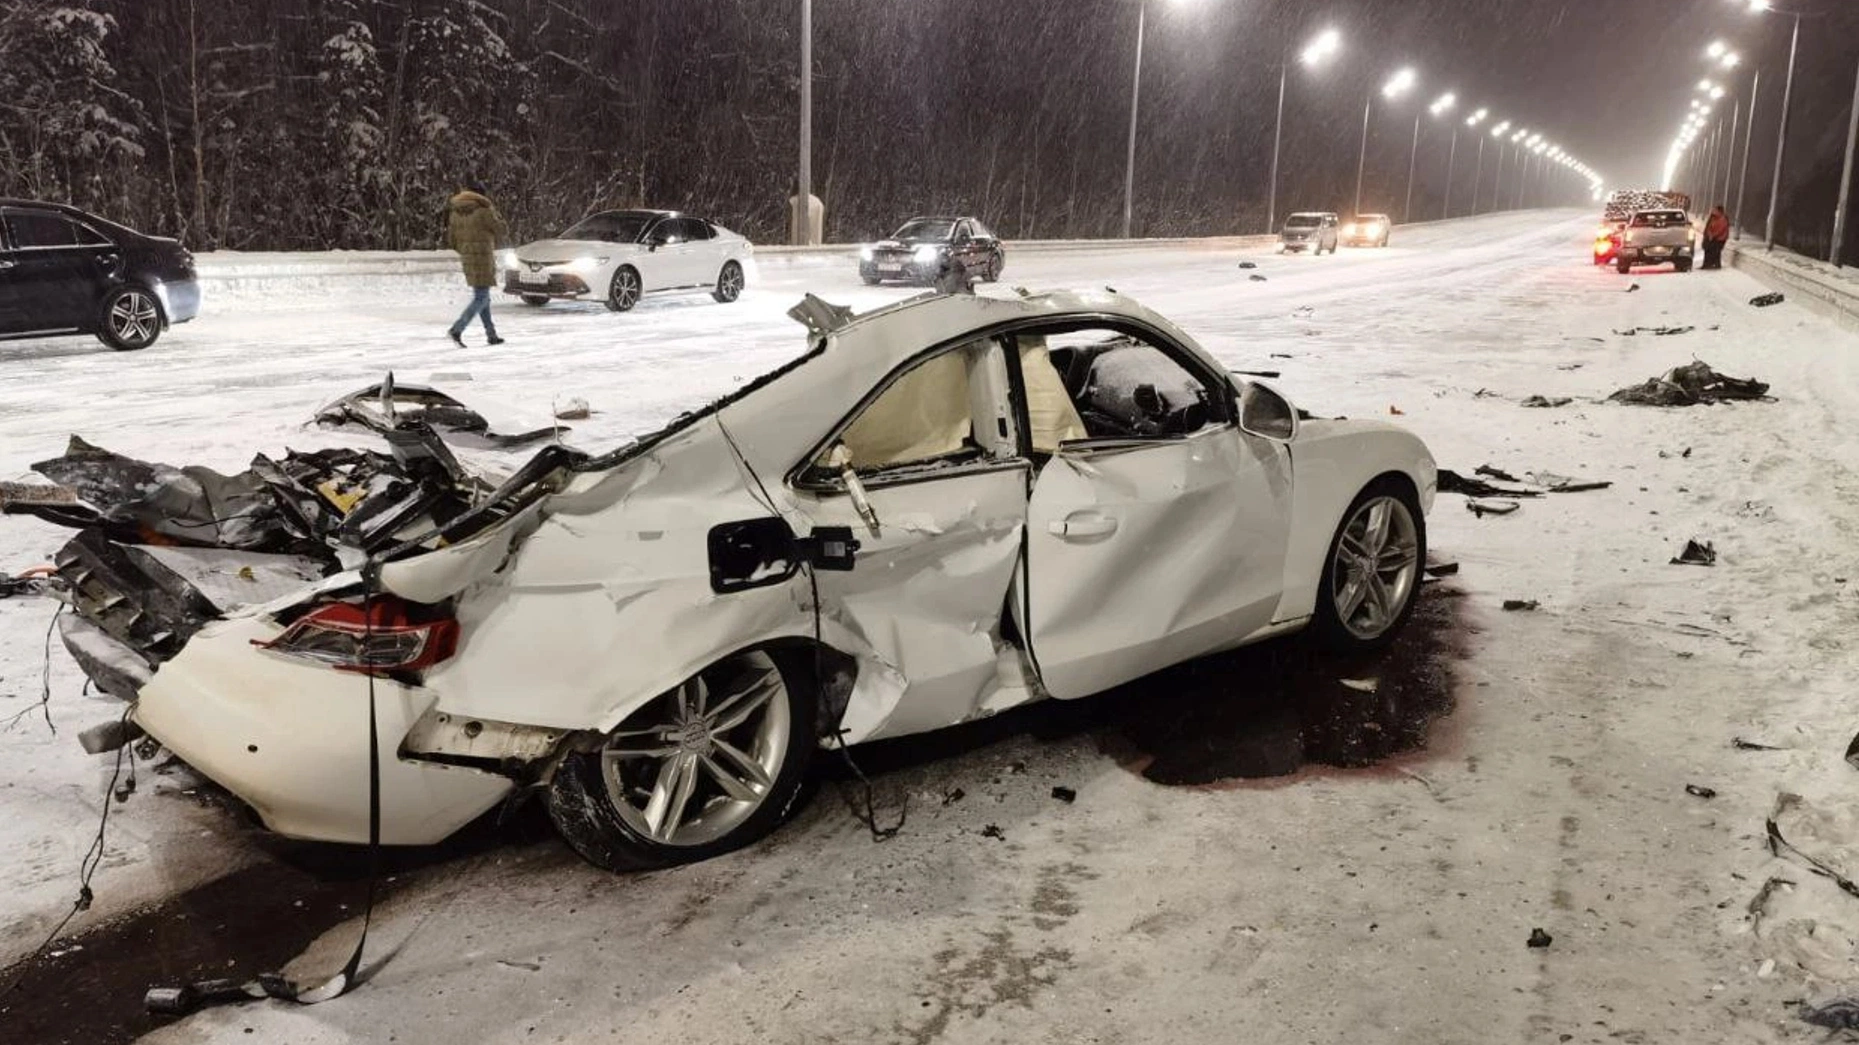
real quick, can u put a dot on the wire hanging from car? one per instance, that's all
(867, 813)
(45, 680)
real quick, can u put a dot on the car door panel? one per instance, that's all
(928, 590)
(53, 279)
(1141, 555)
(13, 319)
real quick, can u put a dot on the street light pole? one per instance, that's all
(1478, 173)
(1452, 157)
(1362, 159)
(1278, 131)
(1742, 178)
(1729, 151)
(802, 216)
(1497, 183)
(1136, 83)
(1413, 159)
(1781, 137)
(1846, 180)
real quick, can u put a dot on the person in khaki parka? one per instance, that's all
(474, 228)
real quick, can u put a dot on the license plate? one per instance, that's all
(891, 266)
(1659, 251)
(526, 276)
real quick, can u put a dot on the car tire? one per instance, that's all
(728, 283)
(535, 300)
(870, 281)
(1681, 266)
(602, 800)
(1623, 266)
(1352, 614)
(624, 289)
(996, 262)
(131, 319)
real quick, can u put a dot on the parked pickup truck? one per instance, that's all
(1655, 237)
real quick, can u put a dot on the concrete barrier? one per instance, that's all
(1832, 292)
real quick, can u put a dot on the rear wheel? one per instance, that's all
(131, 319)
(996, 262)
(1372, 573)
(870, 281)
(623, 291)
(1623, 266)
(1681, 266)
(535, 300)
(728, 283)
(709, 767)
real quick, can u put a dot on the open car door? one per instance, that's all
(1161, 535)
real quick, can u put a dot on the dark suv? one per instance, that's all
(63, 271)
(924, 248)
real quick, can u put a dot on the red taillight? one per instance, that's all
(387, 638)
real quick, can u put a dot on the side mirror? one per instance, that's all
(1266, 414)
(841, 458)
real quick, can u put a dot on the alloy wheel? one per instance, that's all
(625, 292)
(134, 319)
(729, 283)
(1376, 567)
(694, 764)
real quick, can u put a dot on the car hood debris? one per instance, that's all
(1690, 385)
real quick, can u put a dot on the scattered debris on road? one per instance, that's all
(1689, 385)
(1259, 373)
(1453, 482)
(1495, 472)
(1655, 331)
(1442, 569)
(1839, 1014)
(387, 407)
(1283, 355)
(1576, 366)
(1539, 939)
(1547, 401)
(1564, 484)
(1256, 278)
(1248, 264)
(1750, 745)
(1781, 847)
(1696, 553)
(1631, 287)
(1362, 685)
(575, 409)
(1487, 507)
(33, 581)
(1521, 605)
(1700, 791)
(1765, 300)
(1065, 795)
(953, 795)
(1759, 904)
(994, 831)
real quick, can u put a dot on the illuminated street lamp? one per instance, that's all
(1319, 50)
(1781, 133)
(1398, 84)
(1440, 107)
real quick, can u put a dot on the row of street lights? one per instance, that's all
(1698, 123)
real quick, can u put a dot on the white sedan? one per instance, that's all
(945, 508)
(617, 256)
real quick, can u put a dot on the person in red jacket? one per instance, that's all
(1716, 234)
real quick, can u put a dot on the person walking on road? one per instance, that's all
(474, 228)
(1716, 234)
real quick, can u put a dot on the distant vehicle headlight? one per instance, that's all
(506, 259)
(586, 264)
(1349, 229)
(928, 252)
(864, 253)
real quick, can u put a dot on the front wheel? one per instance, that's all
(1372, 573)
(1623, 266)
(728, 283)
(709, 767)
(131, 319)
(1681, 266)
(535, 300)
(996, 262)
(623, 292)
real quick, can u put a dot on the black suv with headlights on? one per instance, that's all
(924, 247)
(64, 271)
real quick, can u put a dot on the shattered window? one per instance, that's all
(929, 413)
(1122, 387)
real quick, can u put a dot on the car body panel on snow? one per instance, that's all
(945, 508)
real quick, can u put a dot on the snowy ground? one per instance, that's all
(1334, 906)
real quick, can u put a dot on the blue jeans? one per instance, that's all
(480, 306)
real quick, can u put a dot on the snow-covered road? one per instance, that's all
(1333, 906)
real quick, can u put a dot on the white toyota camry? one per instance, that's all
(944, 508)
(616, 256)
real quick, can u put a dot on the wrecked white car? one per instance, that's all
(945, 508)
